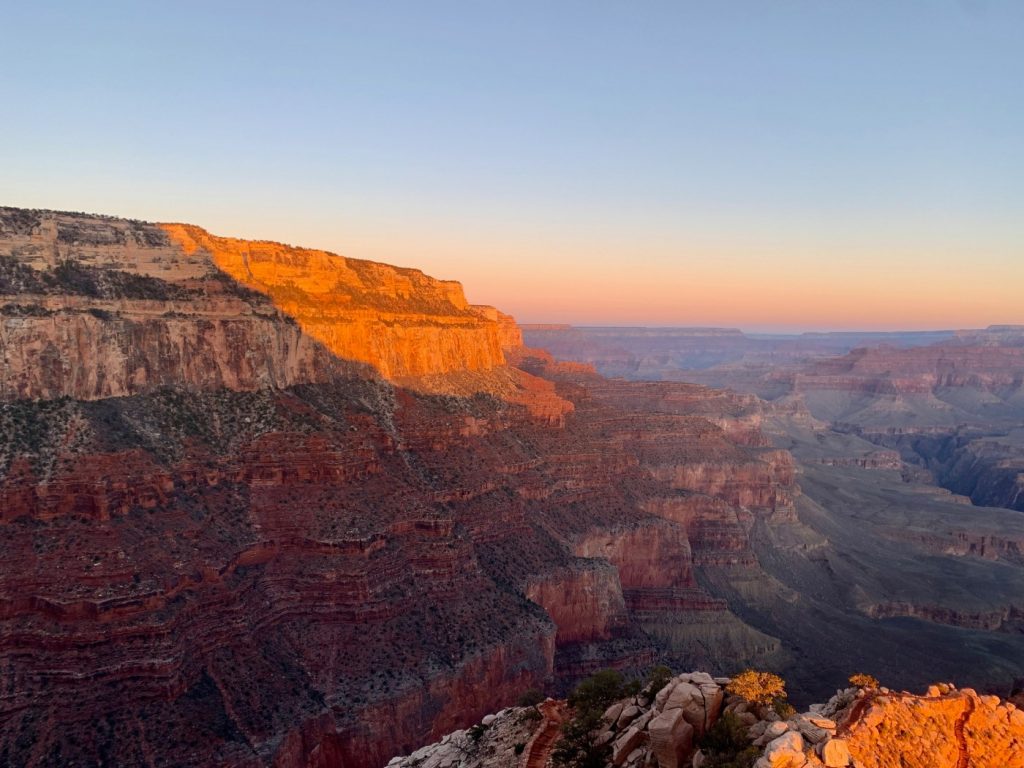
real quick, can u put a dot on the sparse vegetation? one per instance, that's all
(759, 688)
(862, 680)
(726, 744)
(600, 690)
(656, 679)
(578, 747)
(530, 698)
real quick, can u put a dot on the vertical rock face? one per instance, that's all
(400, 321)
(267, 506)
(95, 307)
(586, 603)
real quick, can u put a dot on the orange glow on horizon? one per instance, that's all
(851, 290)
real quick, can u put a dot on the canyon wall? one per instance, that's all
(96, 307)
(269, 506)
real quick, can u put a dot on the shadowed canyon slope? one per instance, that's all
(269, 506)
(951, 404)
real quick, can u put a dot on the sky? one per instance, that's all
(764, 164)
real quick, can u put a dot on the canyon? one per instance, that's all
(266, 505)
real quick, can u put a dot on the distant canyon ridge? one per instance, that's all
(267, 505)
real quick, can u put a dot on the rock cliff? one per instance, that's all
(268, 506)
(869, 728)
(94, 307)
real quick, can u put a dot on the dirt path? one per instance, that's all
(854, 715)
(964, 760)
(543, 742)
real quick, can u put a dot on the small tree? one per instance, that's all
(598, 691)
(657, 679)
(578, 747)
(760, 688)
(862, 680)
(530, 698)
(726, 744)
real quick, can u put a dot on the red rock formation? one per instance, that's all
(944, 729)
(170, 315)
(400, 321)
(258, 553)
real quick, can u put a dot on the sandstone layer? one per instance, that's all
(269, 506)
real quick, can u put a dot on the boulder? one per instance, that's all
(787, 751)
(757, 730)
(662, 696)
(642, 721)
(627, 716)
(771, 732)
(835, 753)
(611, 714)
(626, 744)
(813, 733)
(681, 696)
(671, 738)
(488, 719)
(714, 696)
(774, 730)
(748, 718)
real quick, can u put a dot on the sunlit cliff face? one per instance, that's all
(400, 321)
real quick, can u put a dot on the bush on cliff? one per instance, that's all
(758, 688)
(578, 746)
(530, 698)
(726, 744)
(656, 679)
(862, 680)
(600, 690)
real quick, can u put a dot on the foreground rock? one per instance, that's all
(945, 728)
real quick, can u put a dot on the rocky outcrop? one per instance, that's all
(400, 321)
(944, 728)
(96, 307)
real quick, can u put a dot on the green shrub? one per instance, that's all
(578, 748)
(599, 691)
(656, 679)
(726, 744)
(530, 698)
(783, 708)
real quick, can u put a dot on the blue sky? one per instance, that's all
(801, 164)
